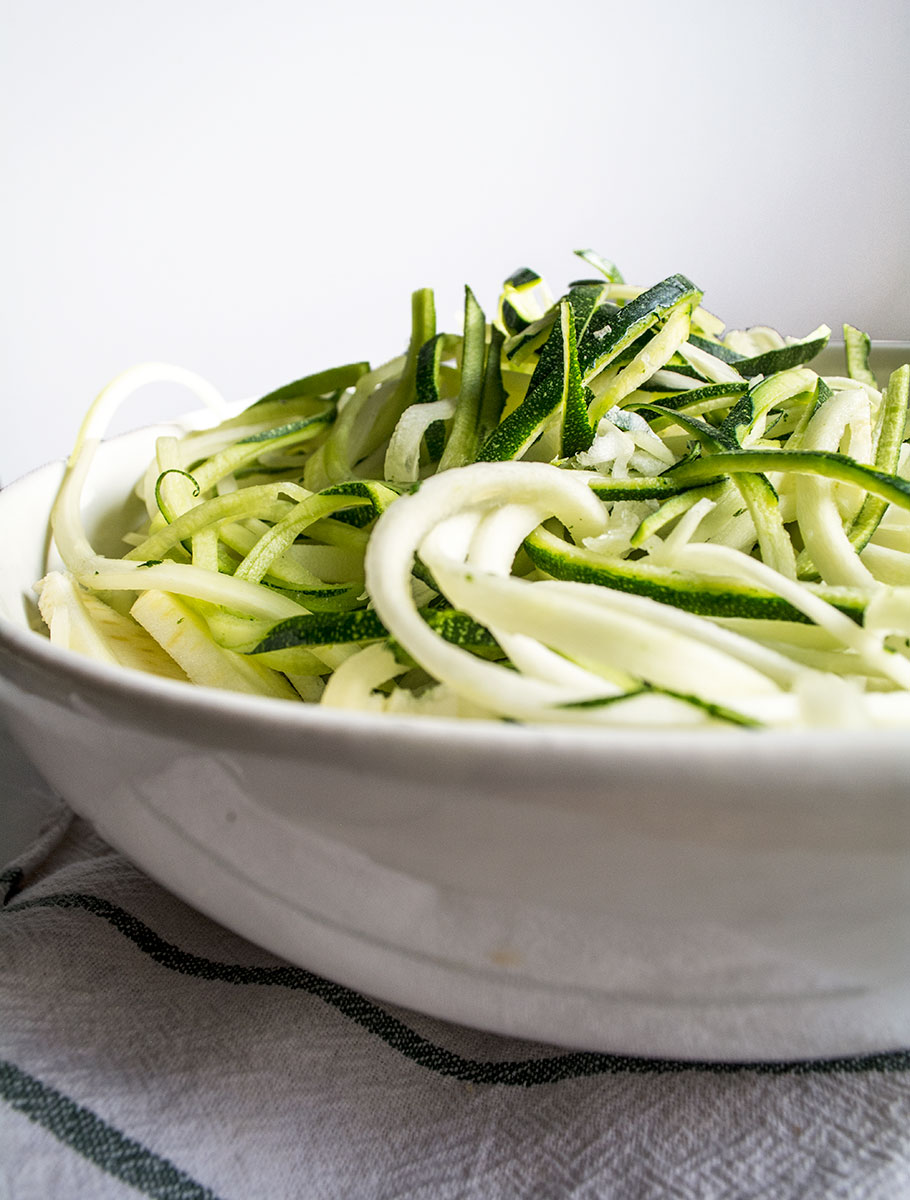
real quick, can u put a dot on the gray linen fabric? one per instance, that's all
(146, 1050)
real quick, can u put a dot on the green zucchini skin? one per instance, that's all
(613, 437)
(705, 597)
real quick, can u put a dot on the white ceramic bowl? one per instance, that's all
(725, 895)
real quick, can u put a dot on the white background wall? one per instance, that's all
(253, 189)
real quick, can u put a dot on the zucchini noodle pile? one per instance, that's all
(597, 510)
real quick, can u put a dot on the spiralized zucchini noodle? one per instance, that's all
(602, 509)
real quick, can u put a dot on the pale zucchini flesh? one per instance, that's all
(601, 508)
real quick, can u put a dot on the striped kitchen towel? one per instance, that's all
(146, 1050)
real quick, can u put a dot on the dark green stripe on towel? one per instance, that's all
(400, 1037)
(80, 1129)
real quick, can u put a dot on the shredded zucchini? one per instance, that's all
(598, 509)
